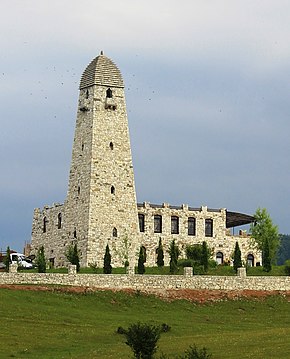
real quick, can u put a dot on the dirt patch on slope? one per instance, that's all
(193, 295)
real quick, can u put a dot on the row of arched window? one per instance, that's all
(250, 259)
(109, 93)
(175, 226)
(45, 221)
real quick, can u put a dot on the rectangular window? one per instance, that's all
(208, 227)
(157, 224)
(141, 218)
(191, 226)
(174, 225)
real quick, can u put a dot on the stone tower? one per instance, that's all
(101, 203)
(101, 206)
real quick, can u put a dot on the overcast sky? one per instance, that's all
(207, 89)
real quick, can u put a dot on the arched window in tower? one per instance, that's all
(115, 232)
(75, 233)
(111, 146)
(44, 228)
(87, 94)
(109, 93)
(113, 190)
(59, 221)
(79, 190)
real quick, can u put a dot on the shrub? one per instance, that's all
(165, 328)
(194, 353)
(204, 256)
(94, 267)
(73, 256)
(287, 267)
(194, 252)
(142, 339)
(173, 253)
(212, 263)
(7, 259)
(141, 260)
(198, 269)
(121, 330)
(107, 269)
(185, 263)
(266, 256)
(237, 257)
(40, 260)
(160, 254)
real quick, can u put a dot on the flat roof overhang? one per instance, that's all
(235, 219)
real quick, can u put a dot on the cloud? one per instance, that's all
(207, 89)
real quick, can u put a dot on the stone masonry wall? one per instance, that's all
(220, 241)
(146, 282)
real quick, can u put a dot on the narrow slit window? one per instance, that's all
(111, 145)
(141, 218)
(44, 228)
(59, 221)
(109, 93)
(87, 94)
(115, 232)
(113, 190)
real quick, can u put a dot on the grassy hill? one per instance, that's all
(37, 324)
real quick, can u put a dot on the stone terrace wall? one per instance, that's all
(147, 282)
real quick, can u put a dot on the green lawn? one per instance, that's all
(61, 325)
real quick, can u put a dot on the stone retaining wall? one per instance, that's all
(147, 282)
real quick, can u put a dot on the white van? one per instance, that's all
(21, 260)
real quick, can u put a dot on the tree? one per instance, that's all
(204, 256)
(73, 256)
(7, 259)
(264, 229)
(142, 339)
(107, 269)
(266, 257)
(160, 254)
(237, 257)
(194, 252)
(173, 253)
(40, 260)
(284, 248)
(141, 261)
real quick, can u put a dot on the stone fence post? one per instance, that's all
(72, 269)
(130, 270)
(242, 273)
(188, 271)
(13, 268)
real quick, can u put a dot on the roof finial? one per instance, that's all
(102, 52)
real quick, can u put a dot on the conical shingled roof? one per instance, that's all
(101, 71)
